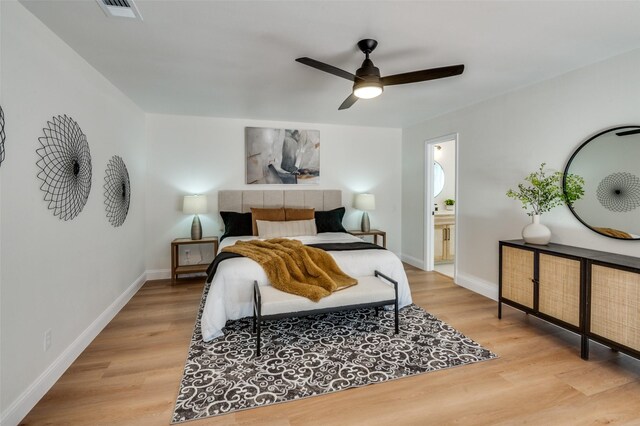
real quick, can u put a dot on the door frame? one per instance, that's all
(428, 201)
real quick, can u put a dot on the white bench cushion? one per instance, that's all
(368, 290)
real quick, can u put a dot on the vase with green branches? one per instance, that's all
(542, 192)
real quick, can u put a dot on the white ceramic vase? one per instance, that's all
(536, 233)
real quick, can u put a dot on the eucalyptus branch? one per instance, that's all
(545, 192)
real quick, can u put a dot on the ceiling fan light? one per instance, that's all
(368, 91)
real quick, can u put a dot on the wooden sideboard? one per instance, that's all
(592, 293)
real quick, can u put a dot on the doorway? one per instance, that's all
(441, 189)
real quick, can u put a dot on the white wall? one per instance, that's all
(503, 139)
(59, 275)
(189, 155)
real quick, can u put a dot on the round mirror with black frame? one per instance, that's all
(609, 163)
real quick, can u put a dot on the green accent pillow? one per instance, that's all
(236, 224)
(330, 221)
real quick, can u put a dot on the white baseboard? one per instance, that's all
(477, 285)
(30, 397)
(413, 261)
(158, 274)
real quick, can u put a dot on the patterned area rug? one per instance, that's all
(303, 357)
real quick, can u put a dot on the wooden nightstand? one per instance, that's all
(375, 233)
(177, 269)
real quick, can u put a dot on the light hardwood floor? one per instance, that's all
(131, 371)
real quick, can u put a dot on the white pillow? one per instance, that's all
(291, 228)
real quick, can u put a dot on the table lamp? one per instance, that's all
(365, 202)
(195, 204)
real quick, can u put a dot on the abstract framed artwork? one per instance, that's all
(282, 156)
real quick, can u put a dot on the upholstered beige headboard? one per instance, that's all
(242, 201)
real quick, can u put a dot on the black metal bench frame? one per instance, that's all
(258, 317)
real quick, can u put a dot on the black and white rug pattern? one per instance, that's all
(309, 356)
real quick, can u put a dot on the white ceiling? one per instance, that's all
(236, 58)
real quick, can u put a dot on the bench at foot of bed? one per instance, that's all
(370, 292)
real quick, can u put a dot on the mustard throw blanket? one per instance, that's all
(613, 232)
(295, 268)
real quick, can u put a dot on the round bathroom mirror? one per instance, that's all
(609, 163)
(438, 178)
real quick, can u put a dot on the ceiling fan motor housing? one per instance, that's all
(369, 76)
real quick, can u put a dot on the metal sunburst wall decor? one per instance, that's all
(619, 192)
(65, 167)
(2, 135)
(117, 191)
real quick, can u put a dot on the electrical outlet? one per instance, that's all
(187, 252)
(47, 340)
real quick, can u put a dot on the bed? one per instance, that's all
(230, 294)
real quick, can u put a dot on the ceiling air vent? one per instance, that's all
(120, 9)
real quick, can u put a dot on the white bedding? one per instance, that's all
(231, 293)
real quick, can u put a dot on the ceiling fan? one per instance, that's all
(367, 82)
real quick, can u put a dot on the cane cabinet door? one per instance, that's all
(518, 275)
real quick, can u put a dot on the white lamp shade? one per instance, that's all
(365, 202)
(194, 204)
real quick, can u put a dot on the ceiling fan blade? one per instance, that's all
(349, 101)
(327, 68)
(423, 75)
(628, 132)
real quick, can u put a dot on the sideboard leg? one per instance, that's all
(499, 310)
(584, 348)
